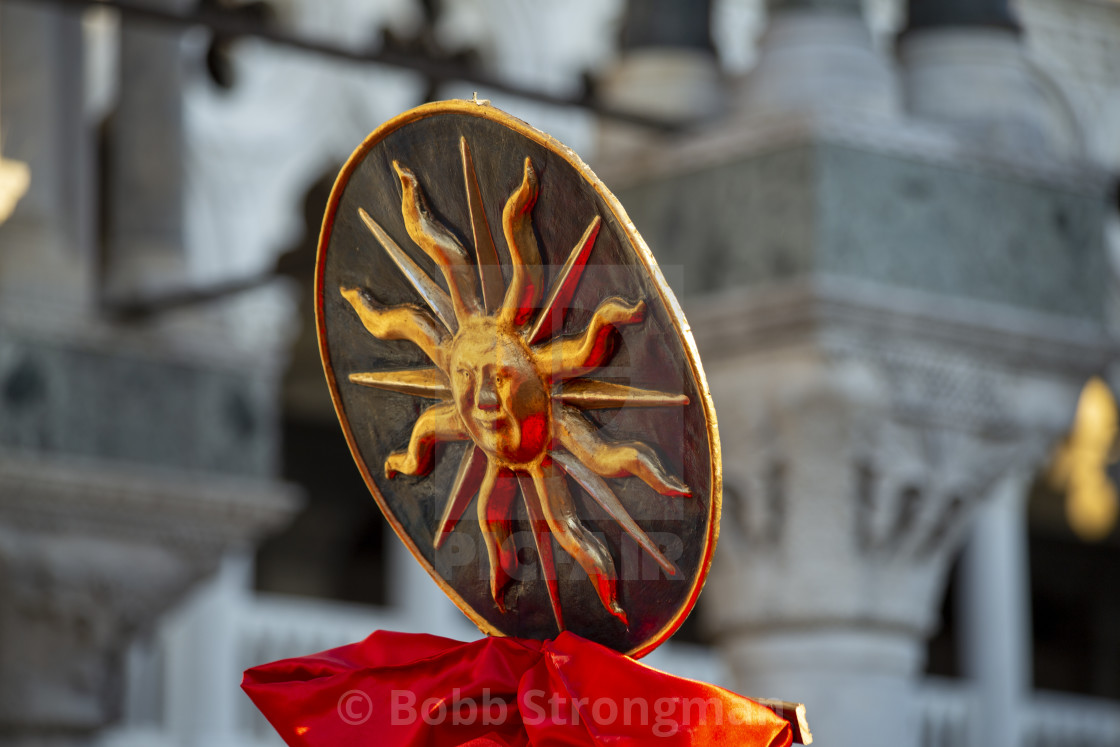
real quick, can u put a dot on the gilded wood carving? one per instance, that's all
(539, 377)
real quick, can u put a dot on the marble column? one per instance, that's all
(817, 55)
(964, 66)
(46, 258)
(667, 66)
(206, 626)
(841, 519)
(131, 456)
(666, 69)
(15, 176)
(995, 613)
(1078, 45)
(145, 153)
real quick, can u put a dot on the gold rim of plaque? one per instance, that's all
(668, 300)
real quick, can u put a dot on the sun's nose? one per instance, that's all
(487, 394)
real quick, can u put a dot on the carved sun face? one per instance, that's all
(499, 393)
(514, 391)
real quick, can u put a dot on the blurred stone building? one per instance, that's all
(894, 228)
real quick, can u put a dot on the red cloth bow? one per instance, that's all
(412, 689)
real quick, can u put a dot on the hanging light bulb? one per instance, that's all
(1080, 465)
(15, 178)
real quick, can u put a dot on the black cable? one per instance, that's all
(232, 26)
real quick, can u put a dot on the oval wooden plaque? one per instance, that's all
(516, 381)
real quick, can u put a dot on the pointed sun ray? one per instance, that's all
(608, 459)
(551, 318)
(430, 383)
(517, 224)
(432, 294)
(405, 322)
(542, 537)
(589, 394)
(436, 424)
(467, 481)
(489, 266)
(495, 518)
(560, 512)
(439, 244)
(605, 497)
(573, 355)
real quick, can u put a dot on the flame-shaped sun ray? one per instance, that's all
(567, 529)
(406, 322)
(432, 294)
(517, 224)
(437, 423)
(615, 459)
(598, 489)
(574, 355)
(495, 517)
(439, 244)
(495, 380)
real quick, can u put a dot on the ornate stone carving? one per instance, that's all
(90, 555)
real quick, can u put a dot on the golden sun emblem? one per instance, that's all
(506, 382)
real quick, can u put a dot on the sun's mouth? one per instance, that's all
(493, 421)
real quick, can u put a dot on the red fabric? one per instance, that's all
(408, 689)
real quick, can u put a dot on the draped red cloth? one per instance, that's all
(414, 689)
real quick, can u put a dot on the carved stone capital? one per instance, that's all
(837, 513)
(89, 556)
(858, 437)
(858, 443)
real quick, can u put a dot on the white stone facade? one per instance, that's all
(877, 249)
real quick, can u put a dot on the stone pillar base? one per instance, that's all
(851, 680)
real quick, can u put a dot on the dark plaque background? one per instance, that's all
(651, 355)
